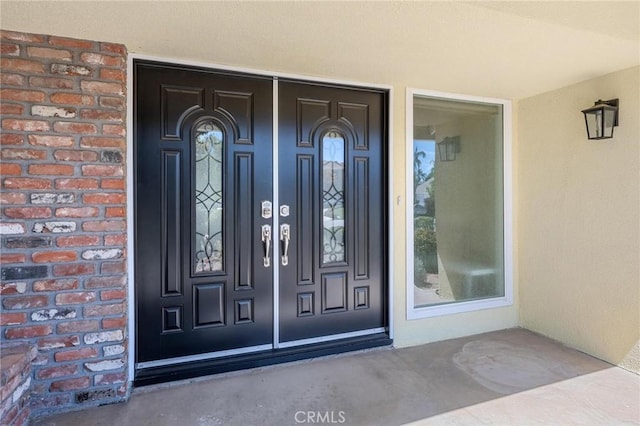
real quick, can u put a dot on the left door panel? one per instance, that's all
(203, 166)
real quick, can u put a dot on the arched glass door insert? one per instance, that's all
(208, 197)
(333, 198)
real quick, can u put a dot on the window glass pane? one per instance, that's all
(458, 201)
(424, 220)
(208, 197)
(333, 153)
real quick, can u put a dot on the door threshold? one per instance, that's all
(162, 374)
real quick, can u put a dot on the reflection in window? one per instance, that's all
(457, 201)
(424, 212)
(208, 197)
(333, 238)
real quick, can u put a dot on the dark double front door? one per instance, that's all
(209, 238)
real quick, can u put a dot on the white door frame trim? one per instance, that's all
(131, 301)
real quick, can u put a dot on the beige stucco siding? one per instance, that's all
(579, 220)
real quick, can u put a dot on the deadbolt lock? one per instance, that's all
(266, 210)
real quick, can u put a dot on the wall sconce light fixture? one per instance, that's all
(448, 148)
(601, 118)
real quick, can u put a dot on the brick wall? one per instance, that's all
(62, 224)
(15, 382)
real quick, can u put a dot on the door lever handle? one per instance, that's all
(285, 237)
(266, 242)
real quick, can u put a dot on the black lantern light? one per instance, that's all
(601, 118)
(448, 148)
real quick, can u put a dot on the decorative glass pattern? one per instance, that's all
(208, 197)
(333, 199)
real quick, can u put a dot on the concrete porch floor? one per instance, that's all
(512, 377)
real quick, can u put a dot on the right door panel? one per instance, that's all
(331, 146)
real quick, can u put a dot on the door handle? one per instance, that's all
(266, 242)
(285, 237)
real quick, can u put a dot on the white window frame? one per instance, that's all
(507, 128)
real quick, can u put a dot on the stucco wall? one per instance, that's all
(579, 210)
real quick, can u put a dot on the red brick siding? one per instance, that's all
(16, 384)
(63, 215)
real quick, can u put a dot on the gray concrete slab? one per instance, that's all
(512, 377)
